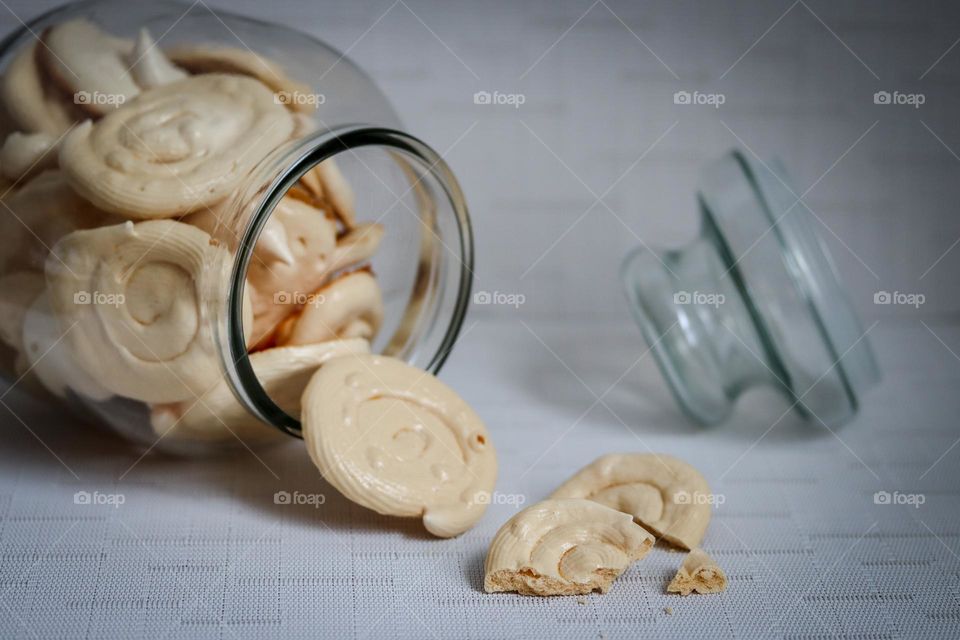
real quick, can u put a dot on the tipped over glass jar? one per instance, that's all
(198, 209)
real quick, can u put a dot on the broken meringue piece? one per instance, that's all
(218, 416)
(26, 154)
(175, 148)
(134, 297)
(349, 307)
(206, 59)
(89, 65)
(698, 573)
(563, 547)
(32, 104)
(663, 493)
(396, 440)
(150, 66)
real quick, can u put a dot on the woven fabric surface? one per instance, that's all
(186, 548)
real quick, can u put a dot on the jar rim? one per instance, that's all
(309, 152)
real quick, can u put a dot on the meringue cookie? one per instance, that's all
(311, 239)
(30, 100)
(272, 245)
(175, 148)
(283, 373)
(204, 59)
(89, 65)
(137, 295)
(662, 493)
(398, 441)
(327, 184)
(49, 356)
(350, 306)
(563, 547)
(41, 212)
(149, 66)
(26, 154)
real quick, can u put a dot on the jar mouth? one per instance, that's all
(307, 153)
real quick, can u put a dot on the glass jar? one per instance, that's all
(158, 333)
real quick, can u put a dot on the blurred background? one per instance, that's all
(598, 158)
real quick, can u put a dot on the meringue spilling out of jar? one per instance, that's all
(117, 172)
(396, 440)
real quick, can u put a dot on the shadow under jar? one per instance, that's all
(199, 229)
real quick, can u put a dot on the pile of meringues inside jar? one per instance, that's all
(119, 160)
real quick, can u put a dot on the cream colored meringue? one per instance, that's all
(175, 148)
(26, 154)
(138, 296)
(31, 101)
(311, 239)
(272, 245)
(356, 246)
(698, 573)
(218, 416)
(662, 493)
(327, 184)
(51, 361)
(89, 65)
(398, 441)
(563, 547)
(205, 59)
(149, 66)
(349, 307)
(41, 212)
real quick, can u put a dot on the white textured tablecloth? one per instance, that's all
(198, 548)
